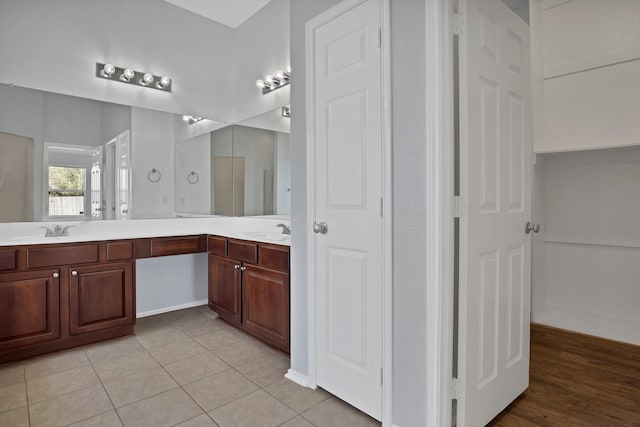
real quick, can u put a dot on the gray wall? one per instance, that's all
(409, 150)
(301, 12)
(54, 45)
(408, 104)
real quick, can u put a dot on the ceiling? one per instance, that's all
(228, 12)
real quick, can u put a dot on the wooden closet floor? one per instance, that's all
(577, 380)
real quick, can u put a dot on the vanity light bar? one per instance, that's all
(271, 83)
(129, 75)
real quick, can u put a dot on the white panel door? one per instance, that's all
(496, 182)
(347, 138)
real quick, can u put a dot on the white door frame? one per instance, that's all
(387, 289)
(439, 170)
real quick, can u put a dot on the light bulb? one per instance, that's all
(260, 83)
(146, 80)
(108, 70)
(163, 83)
(289, 69)
(280, 74)
(268, 81)
(185, 118)
(127, 74)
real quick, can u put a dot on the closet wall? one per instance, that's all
(586, 261)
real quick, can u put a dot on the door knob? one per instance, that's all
(529, 227)
(74, 273)
(56, 275)
(320, 228)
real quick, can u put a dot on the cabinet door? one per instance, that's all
(100, 297)
(265, 305)
(224, 287)
(29, 308)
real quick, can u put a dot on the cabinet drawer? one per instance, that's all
(8, 259)
(177, 245)
(217, 245)
(46, 256)
(242, 251)
(276, 257)
(119, 251)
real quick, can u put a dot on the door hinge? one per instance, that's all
(458, 206)
(381, 207)
(381, 375)
(458, 24)
(379, 38)
(455, 389)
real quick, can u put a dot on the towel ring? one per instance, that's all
(193, 177)
(154, 175)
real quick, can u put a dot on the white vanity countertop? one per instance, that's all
(246, 228)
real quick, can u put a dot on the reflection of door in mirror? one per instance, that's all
(72, 181)
(117, 185)
(16, 182)
(228, 191)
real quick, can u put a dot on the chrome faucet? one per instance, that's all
(285, 228)
(57, 231)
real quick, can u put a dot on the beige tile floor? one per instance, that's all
(183, 368)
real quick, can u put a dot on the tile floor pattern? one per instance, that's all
(183, 368)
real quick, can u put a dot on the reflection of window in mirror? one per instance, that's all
(72, 182)
(67, 189)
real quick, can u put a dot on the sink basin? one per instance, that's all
(276, 237)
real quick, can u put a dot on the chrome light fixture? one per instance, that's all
(191, 119)
(274, 82)
(107, 71)
(129, 75)
(286, 111)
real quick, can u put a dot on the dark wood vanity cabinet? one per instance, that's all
(100, 297)
(224, 288)
(29, 308)
(265, 305)
(58, 296)
(249, 288)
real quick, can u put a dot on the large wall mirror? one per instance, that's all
(64, 157)
(238, 170)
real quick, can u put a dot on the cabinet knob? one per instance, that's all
(243, 268)
(237, 266)
(74, 273)
(56, 275)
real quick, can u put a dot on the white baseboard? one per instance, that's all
(596, 324)
(172, 308)
(298, 378)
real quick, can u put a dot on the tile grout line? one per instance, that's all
(26, 392)
(181, 386)
(147, 397)
(105, 392)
